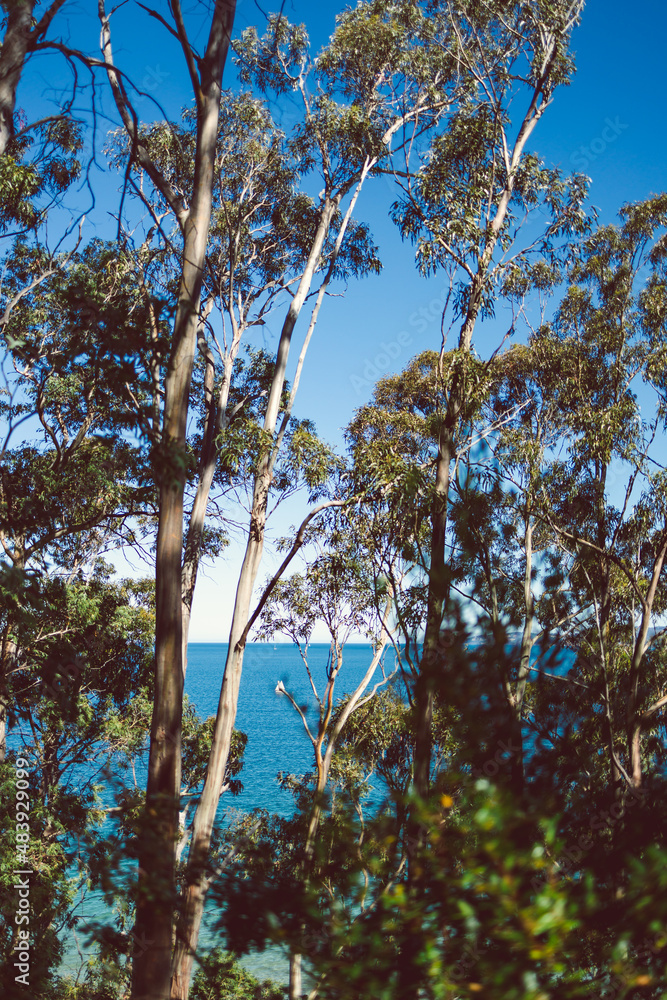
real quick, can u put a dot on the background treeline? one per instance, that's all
(496, 526)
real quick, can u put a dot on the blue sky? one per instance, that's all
(608, 124)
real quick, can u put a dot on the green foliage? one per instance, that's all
(542, 886)
(90, 335)
(303, 460)
(97, 980)
(334, 591)
(535, 867)
(50, 890)
(220, 977)
(38, 165)
(82, 649)
(493, 911)
(501, 893)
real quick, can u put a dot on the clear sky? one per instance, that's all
(608, 124)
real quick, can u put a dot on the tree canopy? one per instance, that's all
(485, 806)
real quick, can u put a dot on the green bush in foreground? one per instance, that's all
(221, 977)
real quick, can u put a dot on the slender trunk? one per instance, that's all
(432, 670)
(410, 974)
(197, 879)
(323, 763)
(156, 900)
(437, 596)
(633, 713)
(516, 708)
(295, 985)
(157, 845)
(295, 960)
(437, 586)
(438, 581)
(207, 464)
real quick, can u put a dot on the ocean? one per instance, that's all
(277, 742)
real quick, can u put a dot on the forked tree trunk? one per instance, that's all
(197, 876)
(156, 900)
(410, 972)
(323, 764)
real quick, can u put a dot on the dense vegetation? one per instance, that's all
(495, 525)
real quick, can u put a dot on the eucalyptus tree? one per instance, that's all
(595, 375)
(465, 208)
(74, 646)
(507, 553)
(259, 247)
(357, 104)
(347, 140)
(603, 492)
(336, 592)
(191, 210)
(572, 488)
(394, 445)
(23, 32)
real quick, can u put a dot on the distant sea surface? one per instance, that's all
(277, 740)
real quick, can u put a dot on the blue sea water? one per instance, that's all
(277, 742)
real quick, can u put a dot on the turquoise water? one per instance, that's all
(277, 742)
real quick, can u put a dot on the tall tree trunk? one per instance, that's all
(197, 878)
(431, 668)
(437, 585)
(634, 716)
(410, 975)
(8, 654)
(156, 901)
(295, 980)
(437, 596)
(516, 702)
(216, 419)
(438, 580)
